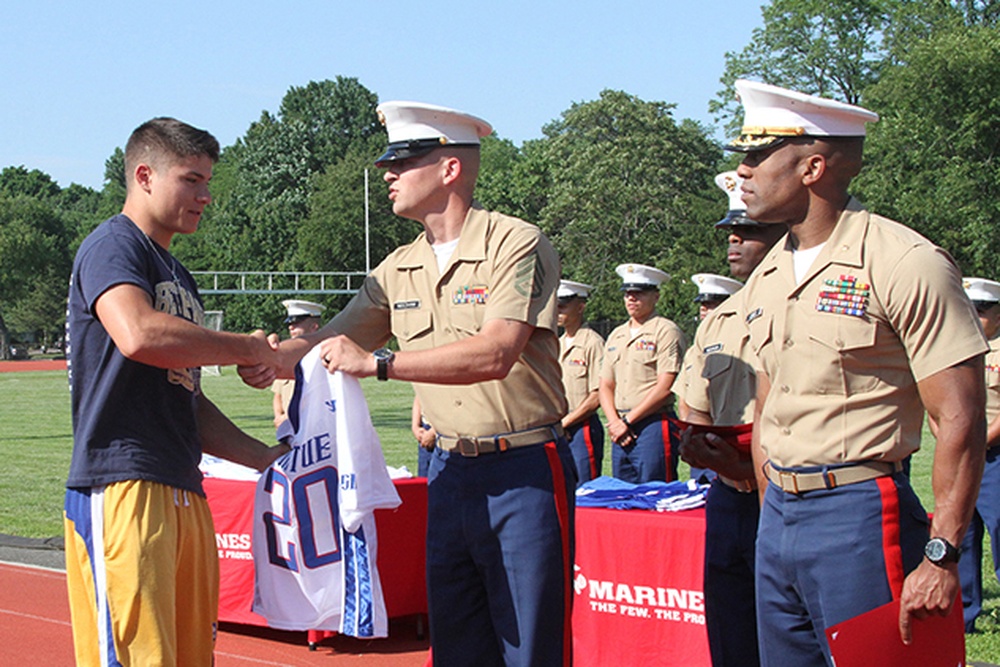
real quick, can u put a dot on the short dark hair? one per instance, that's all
(167, 139)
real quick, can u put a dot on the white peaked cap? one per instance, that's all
(298, 308)
(981, 289)
(416, 128)
(772, 114)
(712, 287)
(640, 276)
(569, 288)
(730, 183)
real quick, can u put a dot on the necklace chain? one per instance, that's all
(172, 267)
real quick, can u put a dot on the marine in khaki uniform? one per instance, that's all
(641, 361)
(581, 350)
(858, 324)
(303, 317)
(719, 389)
(472, 304)
(985, 296)
(712, 291)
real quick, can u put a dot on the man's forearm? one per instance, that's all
(955, 399)
(221, 437)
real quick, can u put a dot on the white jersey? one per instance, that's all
(314, 542)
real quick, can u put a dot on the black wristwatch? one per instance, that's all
(940, 551)
(383, 357)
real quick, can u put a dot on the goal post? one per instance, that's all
(213, 320)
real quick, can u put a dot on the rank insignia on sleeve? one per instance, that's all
(844, 296)
(530, 277)
(471, 294)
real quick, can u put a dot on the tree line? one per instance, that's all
(615, 179)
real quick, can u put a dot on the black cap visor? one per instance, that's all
(737, 218)
(638, 287)
(402, 150)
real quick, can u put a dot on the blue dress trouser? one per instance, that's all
(986, 519)
(500, 556)
(586, 442)
(829, 555)
(730, 614)
(652, 457)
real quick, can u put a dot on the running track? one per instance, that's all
(35, 626)
(35, 630)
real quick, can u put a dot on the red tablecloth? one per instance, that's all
(401, 555)
(638, 585)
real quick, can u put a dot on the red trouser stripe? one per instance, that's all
(562, 511)
(665, 434)
(891, 550)
(590, 449)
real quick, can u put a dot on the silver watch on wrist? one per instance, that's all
(383, 357)
(940, 551)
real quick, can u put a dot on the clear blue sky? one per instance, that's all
(77, 77)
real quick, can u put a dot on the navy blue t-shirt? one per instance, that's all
(130, 420)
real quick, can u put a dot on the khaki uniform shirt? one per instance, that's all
(634, 361)
(503, 268)
(285, 389)
(718, 373)
(993, 380)
(581, 364)
(880, 309)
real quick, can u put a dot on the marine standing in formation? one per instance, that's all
(718, 389)
(581, 350)
(641, 361)
(985, 296)
(858, 324)
(303, 317)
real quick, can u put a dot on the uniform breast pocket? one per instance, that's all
(413, 328)
(761, 341)
(844, 359)
(716, 364)
(467, 319)
(993, 378)
(643, 365)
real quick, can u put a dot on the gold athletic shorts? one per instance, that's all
(143, 575)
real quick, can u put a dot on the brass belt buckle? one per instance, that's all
(467, 447)
(792, 476)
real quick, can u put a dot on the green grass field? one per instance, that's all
(36, 440)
